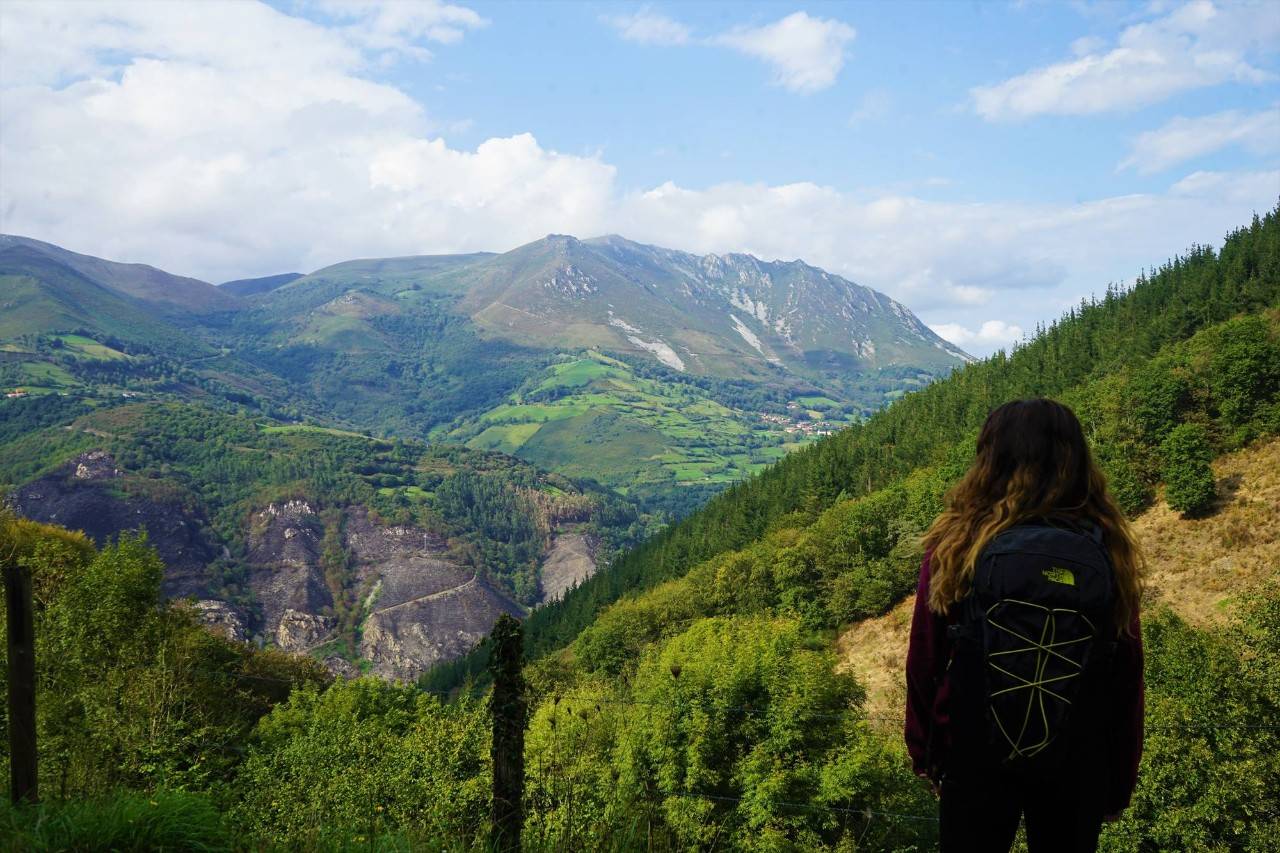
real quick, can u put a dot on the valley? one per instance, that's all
(730, 669)
(637, 382)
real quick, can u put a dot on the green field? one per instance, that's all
(817, 402)
(592, 415)
(91, 349)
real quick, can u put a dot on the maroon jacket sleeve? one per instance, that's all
(926, 662)
(1129, 689)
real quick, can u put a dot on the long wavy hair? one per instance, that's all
(1033, 462)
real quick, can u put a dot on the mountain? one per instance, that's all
(44, 295)
(165, 292)
(730, 315)
(659, 373)
(256, 286)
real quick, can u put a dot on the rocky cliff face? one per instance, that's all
(423, 607)
(417, 604)
(284, 555)
(92, 494)
(569, 562)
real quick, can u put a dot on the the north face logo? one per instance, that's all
(1057, 574)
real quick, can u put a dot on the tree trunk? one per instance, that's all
(510, 712)
(22, 683)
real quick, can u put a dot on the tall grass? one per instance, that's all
(128, 821)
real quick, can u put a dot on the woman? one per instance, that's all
(1070, 761)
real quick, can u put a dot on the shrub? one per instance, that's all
(1186, 454)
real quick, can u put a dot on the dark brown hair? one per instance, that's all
(1032, 462)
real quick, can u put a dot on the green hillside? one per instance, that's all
(713, 366)
(660, 436)
(690, 696)
(167, 293)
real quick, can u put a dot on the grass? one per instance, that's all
(44, 374)
(626, 430)
(507, 438)
(91, 349)
(415, 493)
(129, 821)
(817, 402)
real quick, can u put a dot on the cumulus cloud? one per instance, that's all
(1182, 138)
(1195, 45)
(649, 27)
(806, 53)
(992, 333)
(177, 146)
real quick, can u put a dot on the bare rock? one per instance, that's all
(286, 534)
(95, 465)
(569, 562)
(405, 640)
(298, 631)
(341, 667)
(222, 619)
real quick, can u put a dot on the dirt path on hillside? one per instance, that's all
(432, 596)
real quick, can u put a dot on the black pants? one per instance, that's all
(980, 811)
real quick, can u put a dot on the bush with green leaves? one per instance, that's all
(1210, 775)
(364, 759)
(130, 692)
(736, 733)
(1188, 477)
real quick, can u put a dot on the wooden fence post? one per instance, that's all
(22, 682)
(510, 713)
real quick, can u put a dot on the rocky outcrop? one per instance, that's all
(285, 534)
(423, 606)
(299, 632)
(284, 552)
(401, 562)
(92, 494)
(95, 465)
(341, 667)
(407, 639)
(222, 619)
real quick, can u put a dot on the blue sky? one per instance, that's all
(896, 116)
(986, 163)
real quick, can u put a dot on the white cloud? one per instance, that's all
(208, 158)
(1193, 46)
(991, 334)
(398, 27)
(649, 27)
(806, 53)
(1183, 139)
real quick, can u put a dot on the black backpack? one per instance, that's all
(1031, 640)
